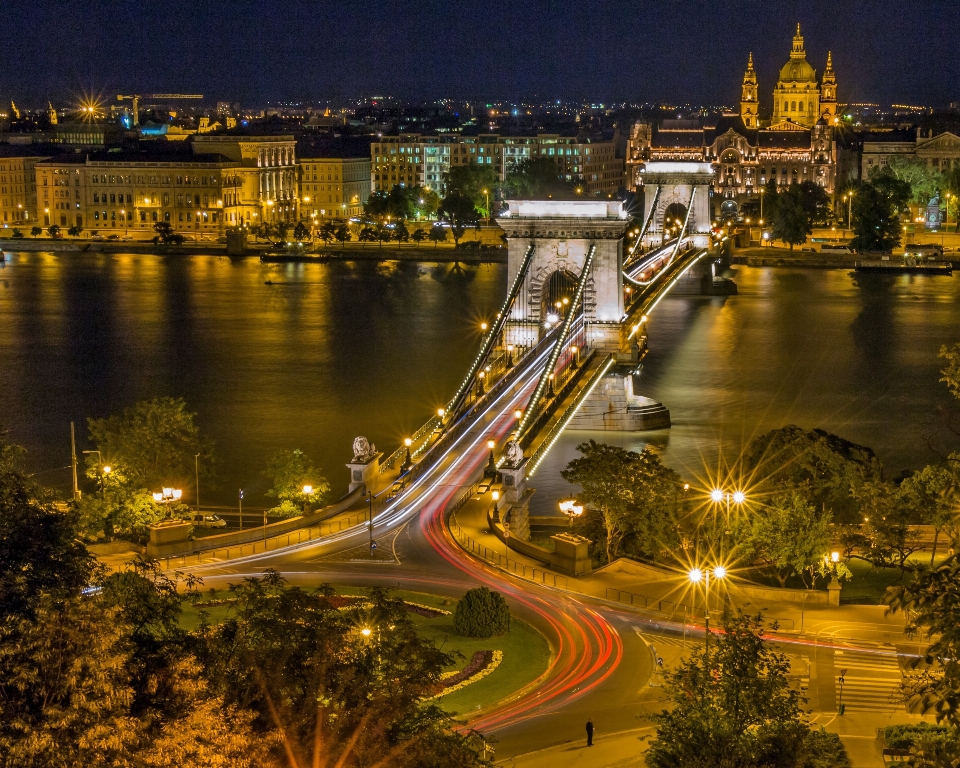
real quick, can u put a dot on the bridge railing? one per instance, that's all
(501, 559)
(557, 430)
(268, 544)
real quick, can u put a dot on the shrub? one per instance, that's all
(481, 613)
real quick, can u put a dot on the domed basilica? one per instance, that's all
(796, 145)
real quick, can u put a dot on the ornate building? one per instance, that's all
(797, 145)
(798, 97)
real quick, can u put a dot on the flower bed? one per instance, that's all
(481, 665)
(344, 602)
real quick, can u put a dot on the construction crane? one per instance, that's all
(135, 98)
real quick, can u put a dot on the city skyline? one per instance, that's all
(293, 52)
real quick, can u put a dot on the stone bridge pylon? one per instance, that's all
(562, 233)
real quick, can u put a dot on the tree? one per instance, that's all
(291, 472)
(301, 232)
(950, 375)
(536, 177)
(477, 182)
(887, 537)
(300, 665)
(418, 235)
(792, 537)
(931, 604)
(400, 232)
(342, 234)
(735, 707)
(328, 231)
(53, 230)
(932, 494)
(40, 553)
(17, 234)
(789, 217)
(36, 231)
(636, 498)
(428, 202)
(152, 443)
(459, 212)
(816, 203)
(367, 235)
(281, 229)
(924, 182)
(65, 690)
(876, 205)
(75, 231)
(825, 467)
(438, 234)
(481, 613)
(166, 236)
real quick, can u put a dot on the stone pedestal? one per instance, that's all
(364, 472)
(518, 516)
(514, 481)
(168, 537)
(833, 592)
(571, 554)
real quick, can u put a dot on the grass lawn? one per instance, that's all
(525, 651)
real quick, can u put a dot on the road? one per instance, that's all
(603, 661)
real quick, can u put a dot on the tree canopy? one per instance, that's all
(291, 472)
(154, 442)
(634, 501)
(735, 707)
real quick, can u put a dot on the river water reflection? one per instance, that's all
(328, 352)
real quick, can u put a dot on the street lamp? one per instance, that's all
(491, 470)
(487, 193)
(407, 461)
(307, 493)
(509, 355)
(695, 576)
(571, 509)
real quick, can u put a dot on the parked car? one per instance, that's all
(208, 521)
(113, 237)
(96, 236)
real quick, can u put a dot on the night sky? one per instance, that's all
(904, 51)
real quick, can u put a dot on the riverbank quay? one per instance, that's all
(319, 254)
(770, 256)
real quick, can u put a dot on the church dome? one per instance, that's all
(797, 71)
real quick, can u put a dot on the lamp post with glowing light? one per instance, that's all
(307, 493)
(102, 471)
(491, 469)
(407, 460)
(168, 496)
(695, 576)
(571, 509)
(718, 496)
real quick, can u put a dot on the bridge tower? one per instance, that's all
(679, 184)
(562, 233)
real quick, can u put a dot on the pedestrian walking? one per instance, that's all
(589, 731)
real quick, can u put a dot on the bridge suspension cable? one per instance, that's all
(646, 225)
(558, 346)
(686, 223)
(494, 334)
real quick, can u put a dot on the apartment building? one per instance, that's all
(333, 187)
(413, 159)
(132, 191)
(18, 186)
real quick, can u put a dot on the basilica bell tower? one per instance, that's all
(749, 103)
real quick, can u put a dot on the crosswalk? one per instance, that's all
(870, 681)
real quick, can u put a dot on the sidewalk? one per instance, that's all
(615, 750)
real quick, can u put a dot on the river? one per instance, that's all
(328, 352)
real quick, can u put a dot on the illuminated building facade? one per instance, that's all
(333, 187)
(18, 187)
(413, 160)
